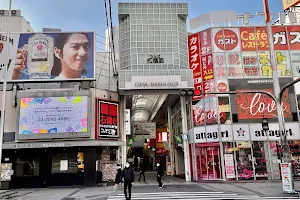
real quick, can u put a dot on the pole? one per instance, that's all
(185, 140)
(122, 130)
(5, 83)
(171, 139)
(284, 143)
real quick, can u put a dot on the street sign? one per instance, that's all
(289, 3)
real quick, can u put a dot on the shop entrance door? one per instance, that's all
(210, 161)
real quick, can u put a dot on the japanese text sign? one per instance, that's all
(294, 37)
(108, 119)
(254, 38)
(257, 106)
(280, 38)
(250, 63)
(194, 54)
(226, 39)
(207, 67)
(205, 42)
(234, 65)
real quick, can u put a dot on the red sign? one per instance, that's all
(205, 42)
(161, 151)
(208, 86)
(222, 87)
(226, 39)
(159, 137)
(294, 37)
(107, 122)
(194, 54)
(280, 38)
(211, 115)
(257, 106)
(197, 86)
(207, 67)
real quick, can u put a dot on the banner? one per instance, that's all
(258, 106)
(194, 54)
(205, 42)
(108, 117)
(48, 56)
(145, 130)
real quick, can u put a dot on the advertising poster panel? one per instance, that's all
(258, 106)
(234, 65)
(63, 56)
(108, 117)
(53, 117)
(220, 65)
(250, 64)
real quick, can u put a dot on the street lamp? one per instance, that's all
(286, 156)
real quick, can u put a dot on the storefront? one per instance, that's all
(42, 164)
(242, 151)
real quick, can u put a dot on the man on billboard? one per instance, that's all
(69, 57)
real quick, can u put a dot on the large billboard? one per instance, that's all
(53, 116)
(63, 56)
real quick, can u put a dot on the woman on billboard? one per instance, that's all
(69, 57)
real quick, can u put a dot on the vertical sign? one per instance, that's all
(108, 119)
(229, 166)
(127, 122)
(286, 177)
(194, 61)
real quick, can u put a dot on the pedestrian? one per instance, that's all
(128, 176)
(160, 173)
(142, 170)
(118, 179)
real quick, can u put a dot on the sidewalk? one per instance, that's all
(260, 187)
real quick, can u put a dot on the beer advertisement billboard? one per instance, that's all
(63, 56)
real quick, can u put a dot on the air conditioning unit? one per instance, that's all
(3, 12)
(16, 13)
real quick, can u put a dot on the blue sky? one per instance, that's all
(89, 15)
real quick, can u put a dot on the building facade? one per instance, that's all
(18, 22)
(227, 140)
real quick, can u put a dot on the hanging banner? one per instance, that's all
(194, 54)
(127, 122)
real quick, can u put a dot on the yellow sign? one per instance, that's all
(289, 3)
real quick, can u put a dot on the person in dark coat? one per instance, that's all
(142, 170)
(118, 176)
(160, 173)
(128, 177)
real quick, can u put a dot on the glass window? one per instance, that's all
(244, 161)
(72, 163)
(28, 167)
(261, 159)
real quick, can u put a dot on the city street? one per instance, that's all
(174, 188)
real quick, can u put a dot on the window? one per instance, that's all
(113, 153)
(28, 167)
(72, 163)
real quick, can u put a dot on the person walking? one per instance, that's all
(118, 179)
(142, 170)
(160, 173)
(128, 176)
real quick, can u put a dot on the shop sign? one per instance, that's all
(156, 84)
(213, 133)
(194, 54)
(205, 42)
(229, 166)
(294, 37)
(253, 38)
(273, 134)
(280, 38)
(287, 177)
(108, 113)
(283, 63)
(127, 122)
(147, 130)
(207, 67)
(220, 65)
(222, 86)
(241, 132)
(226, 39)
(250, 64)
(257, 106)
(234, 65)
(295, 60)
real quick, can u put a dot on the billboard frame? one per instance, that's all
(56, 80)
(49, 136)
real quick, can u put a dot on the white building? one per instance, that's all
(17, 24)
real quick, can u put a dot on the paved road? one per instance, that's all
(194, 192)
